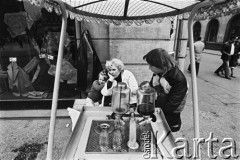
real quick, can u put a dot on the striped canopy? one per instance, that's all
(121, 11)
(136, 11)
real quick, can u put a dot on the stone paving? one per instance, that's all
(218, 102)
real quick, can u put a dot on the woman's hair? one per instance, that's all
(118, 63)
(104, 73)
(160, 58)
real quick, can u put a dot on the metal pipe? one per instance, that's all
(56, 81)
(78, 32)
(176, 40)
(182, 43)
(192, 61)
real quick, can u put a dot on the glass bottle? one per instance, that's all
(146, 101)
(103, 138)
(120, 98)
(117, 138)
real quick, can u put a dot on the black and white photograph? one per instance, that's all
(119, 79)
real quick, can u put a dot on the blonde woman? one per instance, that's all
(117, 73)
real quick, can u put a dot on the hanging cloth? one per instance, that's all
(33, 11)
(97, 66)
(87, 62)
(67, 73)
(82, 65)
(19, 81)
(17, 23)
(42, 81)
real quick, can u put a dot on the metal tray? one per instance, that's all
(93, 139)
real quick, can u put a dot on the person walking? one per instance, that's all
(227, 51)
(234, 58)
(198, 49)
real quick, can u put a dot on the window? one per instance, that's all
(213, 26)
(28, 54)
(235, 26)
(196, 30)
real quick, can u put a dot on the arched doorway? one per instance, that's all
(233, 27)
(197, 30)
(212, 31)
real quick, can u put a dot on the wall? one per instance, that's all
(130, 43)
(100, 37)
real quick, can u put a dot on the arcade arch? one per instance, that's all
(212, 31)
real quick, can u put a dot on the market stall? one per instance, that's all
(97, 11)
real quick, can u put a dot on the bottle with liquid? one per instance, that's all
(103, 138)
(146, 101)
(117, 138)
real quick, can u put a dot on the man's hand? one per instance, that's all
(155, 81)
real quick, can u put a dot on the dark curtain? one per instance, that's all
(97, 66)
(83, 57)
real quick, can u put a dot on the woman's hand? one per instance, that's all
(111, 78)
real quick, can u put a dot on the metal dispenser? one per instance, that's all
(120, 106)
(120, 98)
(146, 103)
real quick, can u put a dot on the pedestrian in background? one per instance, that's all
(234, 58)
(227, 51)
(198, 49)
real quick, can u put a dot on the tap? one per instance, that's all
(116, 117)
(145, 120)
(148, 119)
(132, 143)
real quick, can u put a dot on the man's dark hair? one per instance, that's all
(199, 39)
(160, 58)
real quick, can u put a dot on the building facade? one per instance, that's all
(217, 24)
(216, 31)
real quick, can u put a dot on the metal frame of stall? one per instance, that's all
(59, 62)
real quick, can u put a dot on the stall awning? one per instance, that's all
(121, 11)
(137, 12)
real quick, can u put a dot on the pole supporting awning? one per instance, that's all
(193, 70)
(57, 80)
